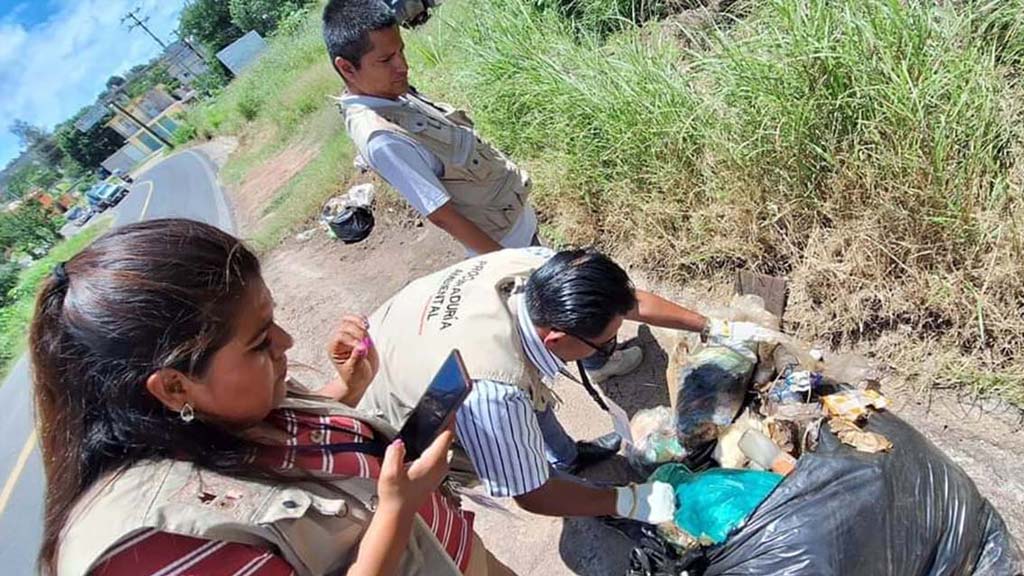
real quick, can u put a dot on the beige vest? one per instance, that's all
(484, 186)
(467, 306)
(315, 529)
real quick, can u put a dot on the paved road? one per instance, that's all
(183, 185)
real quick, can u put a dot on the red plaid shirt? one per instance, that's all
(164, 554)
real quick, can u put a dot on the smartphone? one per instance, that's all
(436, 409)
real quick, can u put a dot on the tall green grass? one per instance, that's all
(869, 149)
(291, 81)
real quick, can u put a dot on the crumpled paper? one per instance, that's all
(853, 405)
(864, 441)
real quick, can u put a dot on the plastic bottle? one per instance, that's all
(761, 450)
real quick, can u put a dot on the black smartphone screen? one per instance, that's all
(437, 407)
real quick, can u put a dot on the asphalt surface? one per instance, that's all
(182, 186)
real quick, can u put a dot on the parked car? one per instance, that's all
(84, 217)
(123, 175)
(74, 213)
(105, 195)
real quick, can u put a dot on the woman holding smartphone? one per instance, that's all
(172, 445)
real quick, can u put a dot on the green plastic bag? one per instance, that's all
(711, 504)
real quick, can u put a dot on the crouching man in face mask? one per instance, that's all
(518, 316)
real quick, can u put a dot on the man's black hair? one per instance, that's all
(580, 292)
(347, 27)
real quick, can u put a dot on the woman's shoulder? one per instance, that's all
(153, 552)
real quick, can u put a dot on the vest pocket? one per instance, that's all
(321, 534)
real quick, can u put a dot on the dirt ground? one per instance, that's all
(316, 280)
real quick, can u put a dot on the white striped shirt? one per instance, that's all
(497, 425)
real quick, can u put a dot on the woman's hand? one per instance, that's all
(401, 491)
(354, 357)
(405, 488)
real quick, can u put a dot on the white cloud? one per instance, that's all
(12, 38)
(49, 71)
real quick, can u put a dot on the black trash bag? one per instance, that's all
(353, 224)
(911, 512)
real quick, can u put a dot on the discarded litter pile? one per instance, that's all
(785, 461)
(349, 217)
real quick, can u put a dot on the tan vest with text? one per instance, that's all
(467, 306)
(485, 187)
(316, 530)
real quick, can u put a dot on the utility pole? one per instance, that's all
(141, 23)
(137, 22)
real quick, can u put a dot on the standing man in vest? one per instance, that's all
(518, 316)
(429, 152)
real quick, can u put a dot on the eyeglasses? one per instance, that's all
(605, 349)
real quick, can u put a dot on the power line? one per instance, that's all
(141, 23)
(137, 22)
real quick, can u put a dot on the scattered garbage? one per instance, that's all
(767, 454)
(852, 369)
(349, 217)
(361, 165)
(306, 236)
(853, 405)
(795, 387)
(839, 462)
(352, 225)
(727, 450)
(654, 438)
(713, 503)
(711, 389)
(864, 441)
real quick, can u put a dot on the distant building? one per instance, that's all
(243, 52)
(183, 63)
(154, 108)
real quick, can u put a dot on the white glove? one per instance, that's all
(654, 502)
(745, 333)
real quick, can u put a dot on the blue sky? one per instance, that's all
(56, 55)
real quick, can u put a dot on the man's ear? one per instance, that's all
(553, 338)
(345, 68)
(169, 387)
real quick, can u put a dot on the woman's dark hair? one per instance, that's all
(579, 291)
(347, 25)
(147, 296)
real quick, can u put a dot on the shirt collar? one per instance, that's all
(372, 102)
(547, 363)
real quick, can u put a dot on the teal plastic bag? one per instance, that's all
(711, 504)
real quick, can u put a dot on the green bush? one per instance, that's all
(249, 104)
(187, 131)
(263, 16)
(293, 22)
(211, 82)
(16, 314)
(8, 279)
